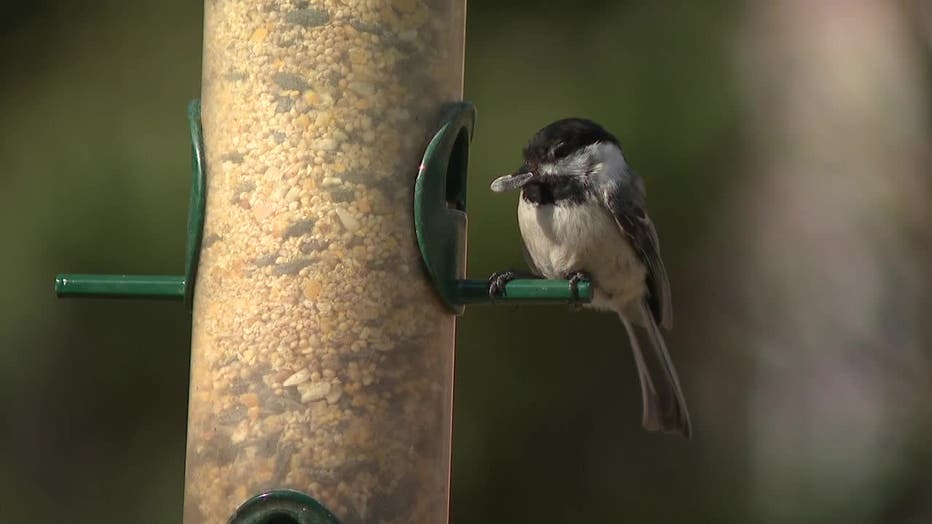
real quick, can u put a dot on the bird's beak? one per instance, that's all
(513, 181)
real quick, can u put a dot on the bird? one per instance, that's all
(582, 215)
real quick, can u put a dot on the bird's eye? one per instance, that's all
(562, 150)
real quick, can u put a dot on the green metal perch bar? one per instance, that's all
(165, 287)
(159, 287)
(528, 291)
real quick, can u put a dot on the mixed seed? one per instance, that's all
(321, 358)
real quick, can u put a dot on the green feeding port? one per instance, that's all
(159, 287)
(440, 223)
(282, 506)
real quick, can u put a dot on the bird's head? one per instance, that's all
(572, 147)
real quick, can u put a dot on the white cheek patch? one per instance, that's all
(609, 156)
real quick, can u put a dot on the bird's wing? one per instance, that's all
(631, 216)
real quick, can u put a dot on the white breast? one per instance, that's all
(563, 239)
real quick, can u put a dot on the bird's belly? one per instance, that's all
(563, 239)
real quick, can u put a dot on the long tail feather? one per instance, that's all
(664, 405)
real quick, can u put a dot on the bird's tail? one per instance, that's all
(664, 405)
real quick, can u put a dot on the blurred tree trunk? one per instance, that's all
(835, 225)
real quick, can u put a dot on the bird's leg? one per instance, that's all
(575, 278)
(499, 279)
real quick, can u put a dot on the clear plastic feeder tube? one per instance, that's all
(322, 360)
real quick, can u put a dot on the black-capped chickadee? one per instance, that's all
(582, 216)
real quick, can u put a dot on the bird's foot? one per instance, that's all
(499, 279)
(575, 278)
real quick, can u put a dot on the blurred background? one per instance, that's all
(786, 149)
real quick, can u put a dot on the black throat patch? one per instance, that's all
(554, 190)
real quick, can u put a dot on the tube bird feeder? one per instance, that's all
(321, 359)
(328, 259)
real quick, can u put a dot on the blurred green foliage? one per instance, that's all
(94, 177)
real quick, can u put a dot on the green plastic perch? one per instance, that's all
(530, 291)
(160, 287)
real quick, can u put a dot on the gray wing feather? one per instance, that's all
(664, 403)
(631, 216)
